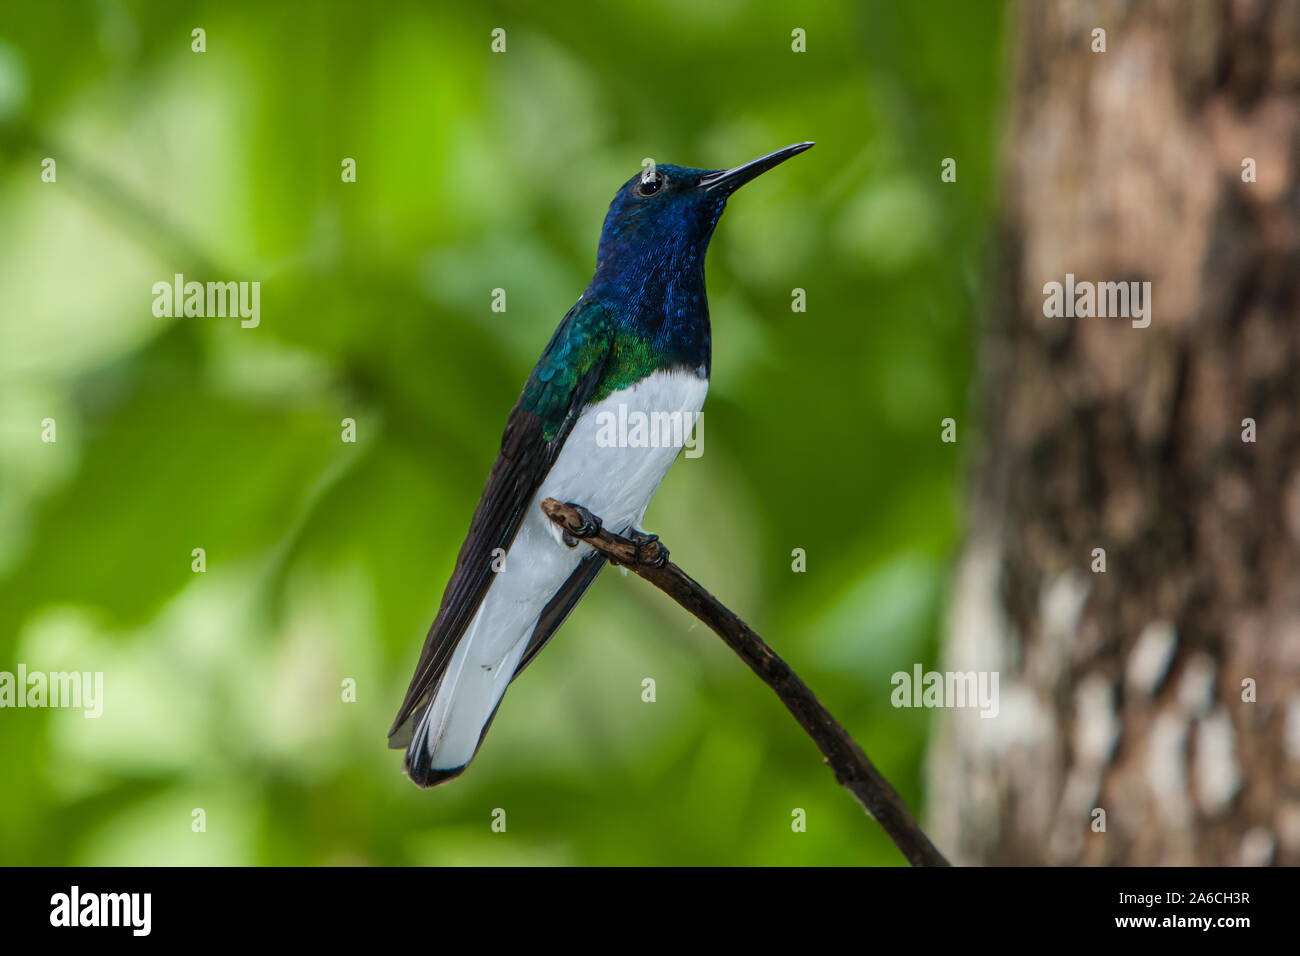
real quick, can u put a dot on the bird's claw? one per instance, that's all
(648, 549)
(590, 523)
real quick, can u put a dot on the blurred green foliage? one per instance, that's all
(325, 561)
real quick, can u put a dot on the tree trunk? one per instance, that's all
(1164, 690)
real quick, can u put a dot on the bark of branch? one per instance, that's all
(648, 558)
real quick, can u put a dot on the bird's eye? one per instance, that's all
(651, 180)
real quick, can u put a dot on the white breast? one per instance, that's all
(617, 482)
(614, 482)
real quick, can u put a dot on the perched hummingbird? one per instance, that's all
(637, 337)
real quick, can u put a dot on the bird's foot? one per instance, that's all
(648, 549)
(590, 526)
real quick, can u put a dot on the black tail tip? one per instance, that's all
(425, 776)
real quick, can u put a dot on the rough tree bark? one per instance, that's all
(1123, 690)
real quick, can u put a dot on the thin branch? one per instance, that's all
(645, 556)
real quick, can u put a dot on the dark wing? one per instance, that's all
(552, 617)
(563, 381)
(558, 609)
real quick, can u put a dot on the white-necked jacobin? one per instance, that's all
(638, 337)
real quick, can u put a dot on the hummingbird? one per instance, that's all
(638, 339)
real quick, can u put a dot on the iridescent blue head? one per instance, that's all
(666, 213)
(650, 263)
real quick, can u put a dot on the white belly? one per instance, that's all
(614, 483)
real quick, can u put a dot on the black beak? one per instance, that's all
(727, 181)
